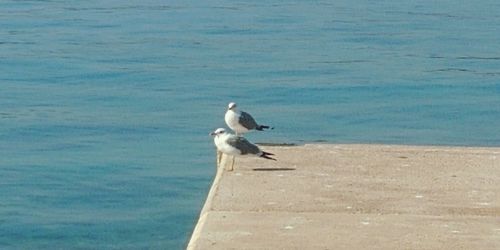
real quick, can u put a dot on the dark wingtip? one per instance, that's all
(266, 155)
(262, 127)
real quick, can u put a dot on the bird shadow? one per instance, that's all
(273, 169)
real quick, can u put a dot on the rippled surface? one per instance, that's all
(105, 106)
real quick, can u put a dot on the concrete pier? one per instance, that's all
(355, 197)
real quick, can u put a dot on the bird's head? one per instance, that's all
(231, 106)
(217, 132)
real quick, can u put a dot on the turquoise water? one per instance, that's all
(106, 106)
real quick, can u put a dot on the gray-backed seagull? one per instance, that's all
(234, 145)
(241, 122)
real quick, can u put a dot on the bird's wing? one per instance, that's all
(243, 145)
(247, 121)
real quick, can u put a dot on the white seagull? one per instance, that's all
(236, 146)
(241, 122)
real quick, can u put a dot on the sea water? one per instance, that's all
(106, 106)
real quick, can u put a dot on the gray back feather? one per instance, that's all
(243, 145)
(247, 121)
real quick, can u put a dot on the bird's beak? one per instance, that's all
(212, 134)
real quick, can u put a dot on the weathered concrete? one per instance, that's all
(356, 197)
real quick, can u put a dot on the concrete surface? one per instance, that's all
(356, 197)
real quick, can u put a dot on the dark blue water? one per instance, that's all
(106, 106)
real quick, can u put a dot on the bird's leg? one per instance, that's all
(219, 157)
(232, 164)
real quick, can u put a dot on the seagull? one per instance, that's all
(236, 145)
(241, 122)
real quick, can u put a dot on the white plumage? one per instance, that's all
(234, 145)
(241, 122)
